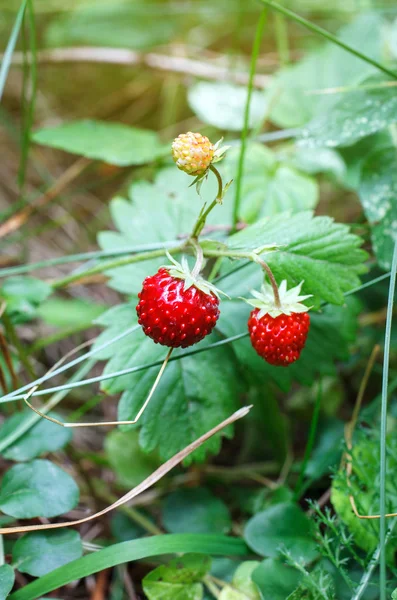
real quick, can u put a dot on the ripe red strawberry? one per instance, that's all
(177, 309)
(278, 334)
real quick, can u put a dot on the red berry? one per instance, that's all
(279, 340)
(173, 316)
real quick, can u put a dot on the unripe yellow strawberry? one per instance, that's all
(193, 153)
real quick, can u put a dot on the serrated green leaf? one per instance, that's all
(41, 552)
(128, 461)
(356, 114)
(378, 193)
(185, 402)
(180, 579)
(222, 105)
(281, 527)
(37, 489)
(269, 186)
(275, 580)
(329, 66)
(196, 511)
(43, 437)
(7, 578)
(189, 568)
(114, 143)
(316, 250)
(157, 212)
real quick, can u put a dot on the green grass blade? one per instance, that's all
(244, 134)
(327, 35)
(82, 256)
(72, 363)
(310, 443)
(29, 95)
(156, 363)
(128, 551)
(383, 427)
(6, 62)
(34, 417)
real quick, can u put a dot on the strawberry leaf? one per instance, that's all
(113, 143)
(316, 250)
(356, 114)
(156, 212)
(194, 394)
(378, 190)
(269, 185)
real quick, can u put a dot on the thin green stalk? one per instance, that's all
(72, 363)
(383, 426)
(198, 227)
(7, 57)
(76, 415)
(14, 339)
(82, 256)
(244, 134)
(368, 284)
(29, 105)
(34, 418)
(129, 260)
(310, 442)
(107, 376)
(106, 266)
(366, 578)
(281, 31)
(327, 35)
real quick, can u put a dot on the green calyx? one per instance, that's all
(290, 300)
(181, 270)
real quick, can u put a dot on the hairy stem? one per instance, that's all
(198, 227)
(273, 282)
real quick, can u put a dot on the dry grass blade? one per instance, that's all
(146, 484)
(16, 221)
(101, 423)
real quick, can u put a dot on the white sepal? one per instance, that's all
(290, 300)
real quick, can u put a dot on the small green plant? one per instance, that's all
(228, 431)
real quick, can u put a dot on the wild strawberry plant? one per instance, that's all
(247, 272)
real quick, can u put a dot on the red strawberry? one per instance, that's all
(278, 333)
(176, 308)
(279, 340)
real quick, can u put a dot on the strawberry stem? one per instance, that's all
(273, 282)
(198, 227)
